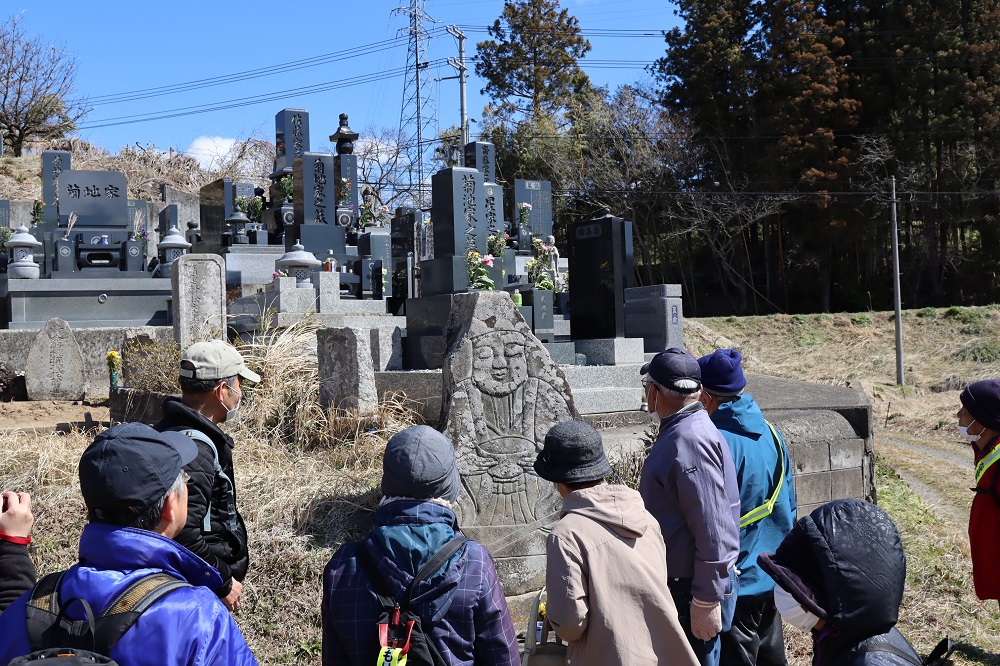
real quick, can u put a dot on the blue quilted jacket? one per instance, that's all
(188, 626)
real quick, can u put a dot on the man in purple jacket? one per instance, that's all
(688, 483)
(461, 605)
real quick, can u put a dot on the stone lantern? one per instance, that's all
(237, 223)
(170, 248)
(21, 255)
(299, 264)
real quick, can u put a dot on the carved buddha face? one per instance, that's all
(499, 365)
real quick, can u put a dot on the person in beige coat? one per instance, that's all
(606, 573)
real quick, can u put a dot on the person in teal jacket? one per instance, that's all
(767, 507)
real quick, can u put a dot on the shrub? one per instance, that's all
(861, 320)
(965, 315)
(928, 313)
(979, 352)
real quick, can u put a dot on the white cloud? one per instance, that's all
(210, 151)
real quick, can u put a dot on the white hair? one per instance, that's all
(436, 500)
(670, 393)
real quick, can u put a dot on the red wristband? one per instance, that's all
(21, 541)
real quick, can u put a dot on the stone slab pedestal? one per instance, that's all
(86, 302)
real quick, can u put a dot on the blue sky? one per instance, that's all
(128, 46)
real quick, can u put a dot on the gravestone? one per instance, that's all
(169, 217)
(346, 369)
(482, 155)
(54, 162)
(99, 198)
(215, 205)
(244, 190)
(600, 269)
(538, 193)
(316, 225)
(198, 287)
(55, 369)
(188, 205)
(493, 207)
(4, 214)
(291, 139)
(655, 313)
(501, 394)
(459, 228)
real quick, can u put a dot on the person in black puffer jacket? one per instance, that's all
(210, 378)
(840, 572)
(17, 571)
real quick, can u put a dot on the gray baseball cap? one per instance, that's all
(419, 462)
(216, 359)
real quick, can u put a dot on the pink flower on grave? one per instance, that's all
(488, 260)
(275, 274)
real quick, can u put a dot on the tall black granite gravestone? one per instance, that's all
(214, 199)
(402, 239)
(314, 200)
(600, 269)
(291, 139)
(459, 228)
(482, 155)
(538, 193)
(493, 207)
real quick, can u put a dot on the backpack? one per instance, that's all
(87, 641)
(938, 655)
(404, 639)
(220, 473)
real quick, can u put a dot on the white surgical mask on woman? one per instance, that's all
(792, 611)
(968, 436)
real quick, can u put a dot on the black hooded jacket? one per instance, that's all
(224, 544)
(844, 562)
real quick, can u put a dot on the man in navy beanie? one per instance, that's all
(979, 425)
(767, 507)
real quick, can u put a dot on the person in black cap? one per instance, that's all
(461, 604)
(840, 574)
(767, 507)
(211, 379)
(979, 425)
(606, 567)
(134, 486)
(688, 483)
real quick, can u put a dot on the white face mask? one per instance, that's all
(792, 611)
(231, 413)
(968, 436)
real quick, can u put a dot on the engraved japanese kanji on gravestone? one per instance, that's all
(501, 394)
(55, 364)
(198, 286)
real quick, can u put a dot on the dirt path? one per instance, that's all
(940, 473)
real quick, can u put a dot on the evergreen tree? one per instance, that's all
(531, 64)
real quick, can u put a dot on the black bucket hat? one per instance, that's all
(573, 453)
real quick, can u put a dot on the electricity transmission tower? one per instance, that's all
(416, 118)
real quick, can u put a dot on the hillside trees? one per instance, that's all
(36, 88)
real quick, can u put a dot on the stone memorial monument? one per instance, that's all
(501, 394)
(198, 285)
(55, 368)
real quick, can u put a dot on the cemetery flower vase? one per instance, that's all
(114, 379)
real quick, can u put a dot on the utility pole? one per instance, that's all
(895, 287)
(462, 70)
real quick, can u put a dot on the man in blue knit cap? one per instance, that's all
(767, 507)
